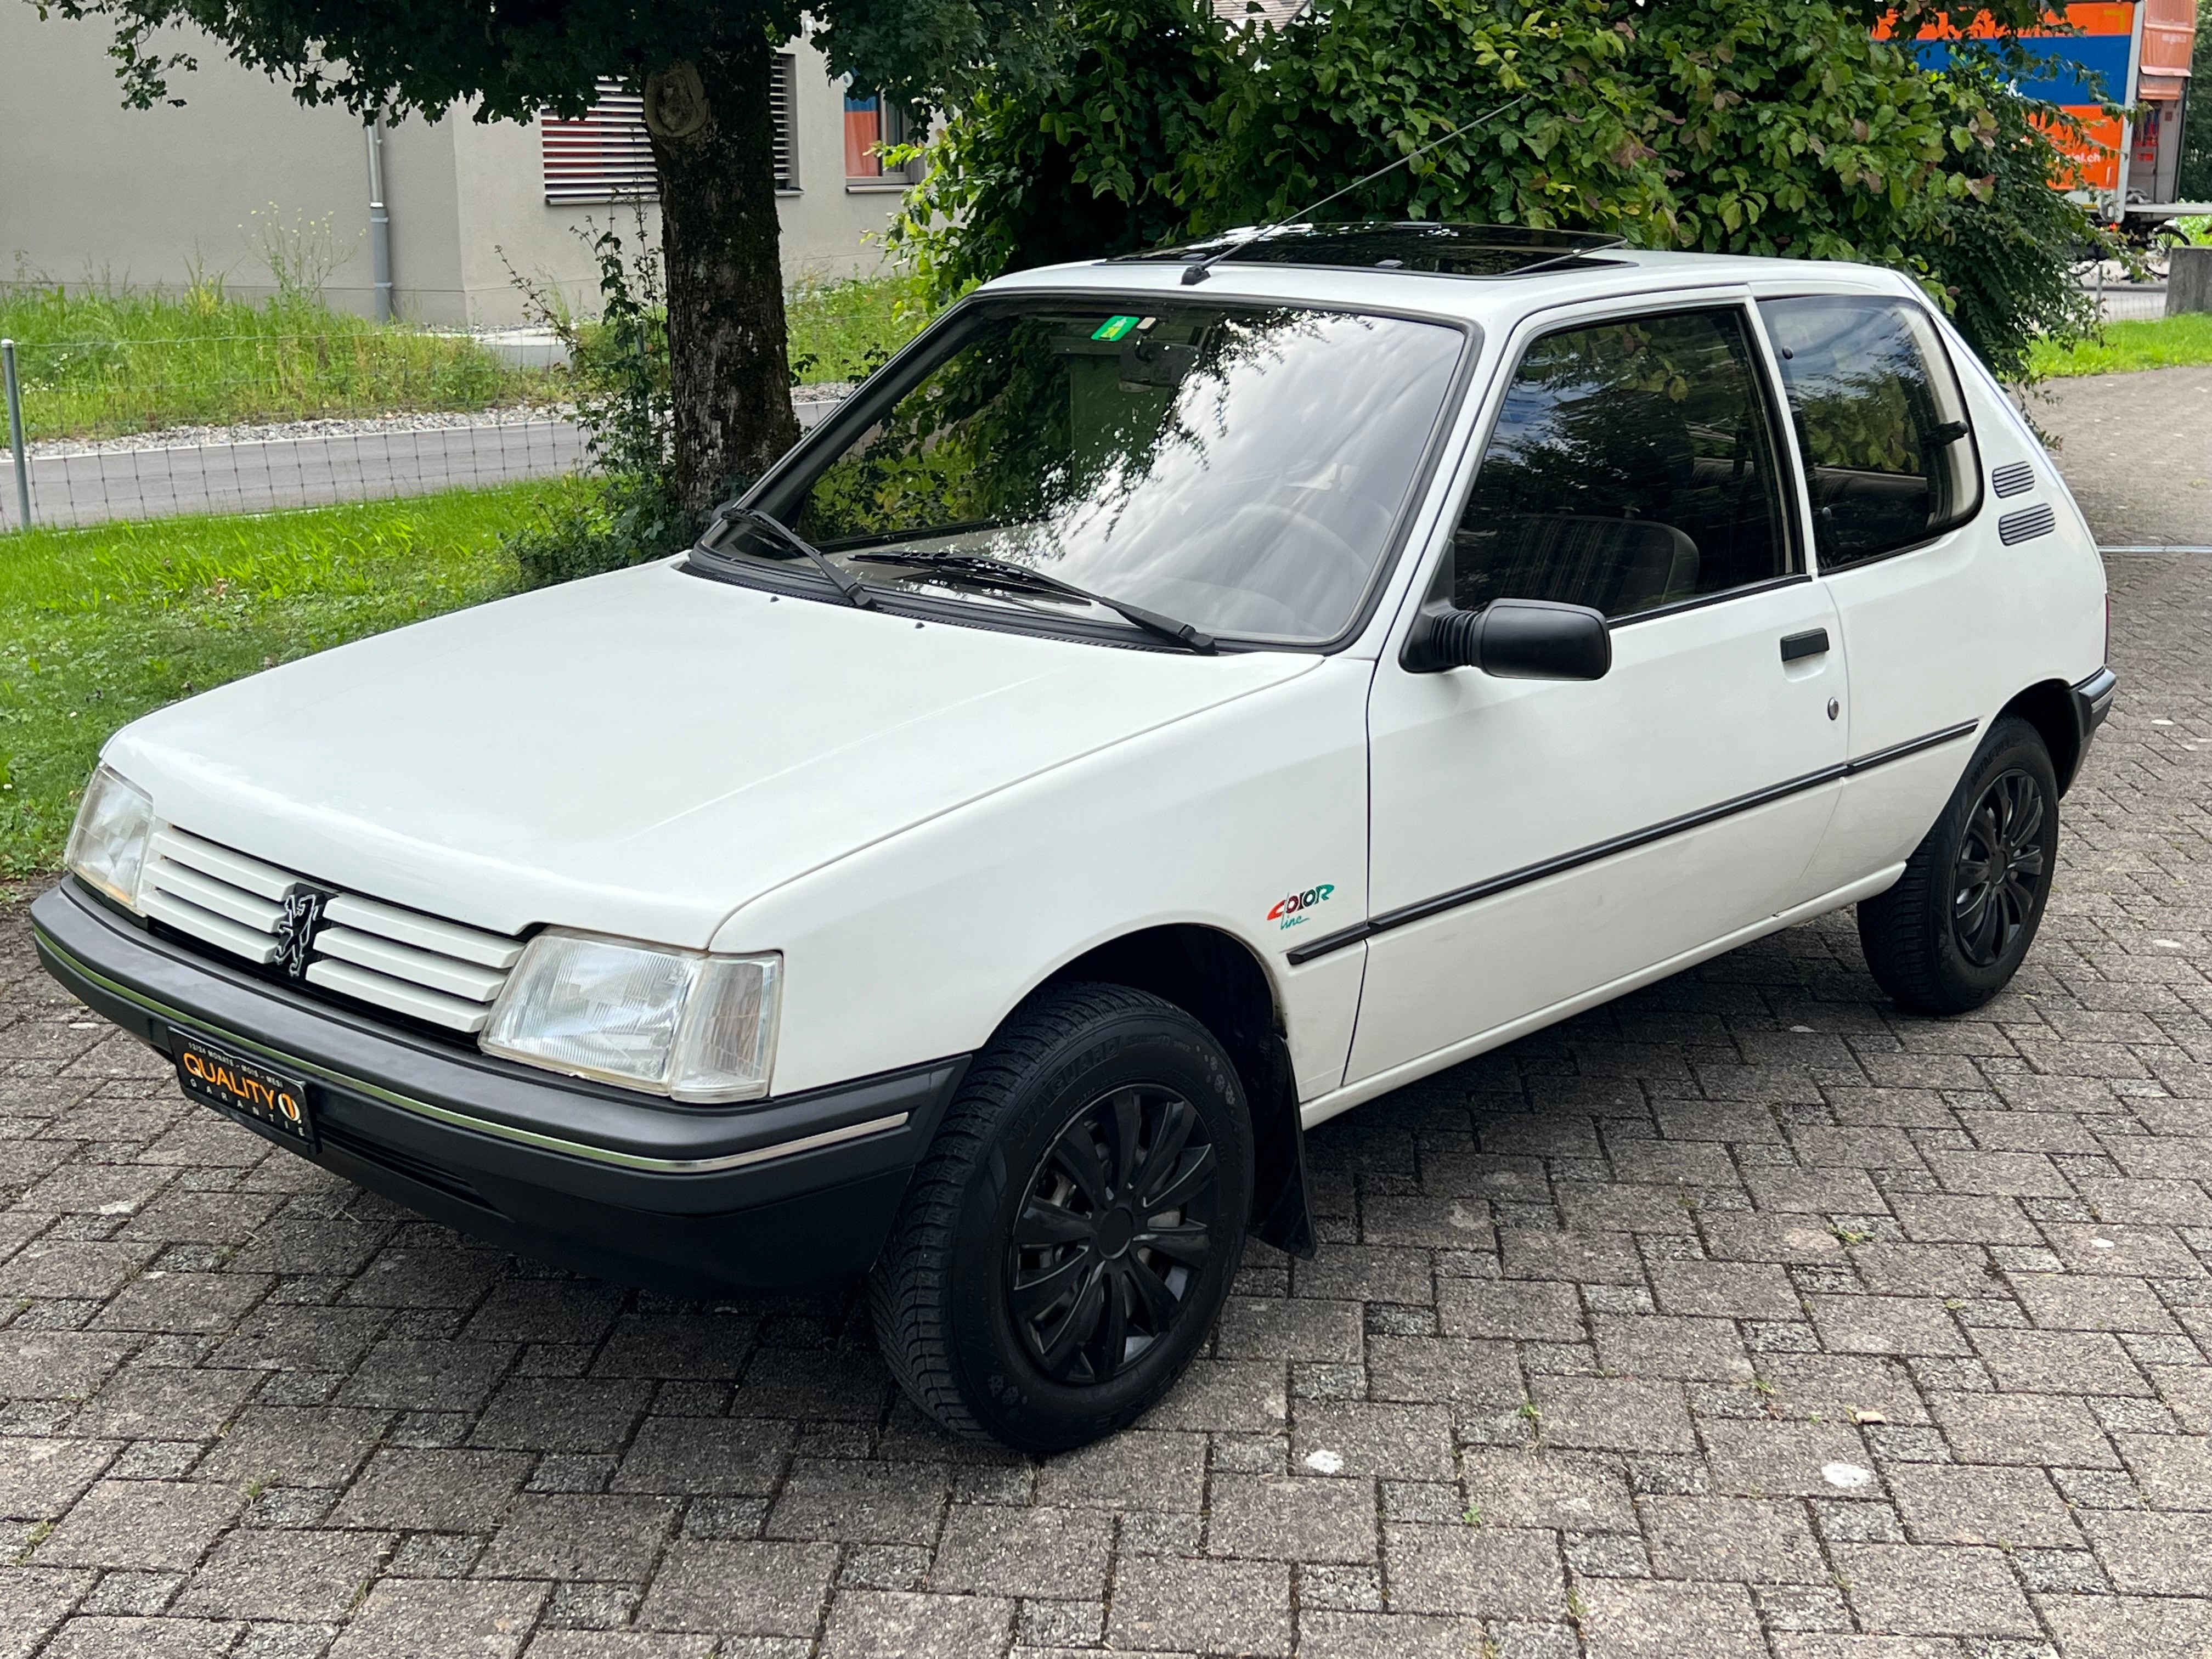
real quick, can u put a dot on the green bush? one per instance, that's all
(629, 513)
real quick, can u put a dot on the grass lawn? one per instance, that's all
(97, 364)
(2162, 342)
(840, 331)
(97, 626)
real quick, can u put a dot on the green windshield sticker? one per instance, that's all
(1113, 328)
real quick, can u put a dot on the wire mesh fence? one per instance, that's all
(144, 427)
(135, 429)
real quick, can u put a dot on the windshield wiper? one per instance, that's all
(1008, 574)
(850, 588)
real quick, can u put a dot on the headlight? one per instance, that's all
(107, 843)
(679, 1023)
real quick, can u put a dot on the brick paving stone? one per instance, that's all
(1731, 1538)
(1135, 1469)
(412, 1618)
(1492, 1571)
(141, 1523)
(2153, 1554)
(1823, 1387)
(95, 1636)
(445, 1490)
(2174, 1472)
(578, 1536)
(1825, 1646)
(1044, 1552)
(1626, 1620)
(2023, 1429)
(1621, 1413)
(1421, 1369)
(296, 1577)
(41, 1364)
(2059, 1362)
(2062, 1301)
(1332, 1635)
(1228, 1608)
(2009, 1508)
(2128, 1626)
(1571, 1491)
(852, 1500)
(1748, 1314)
(1266, 1518)
(40, 1478)
(32, 1602)
(1763, 1459)
(879, 1625)
(1900, 1589)
(1739, 1290)
(1403, 1443)
(713, 1457)
(740, 1588)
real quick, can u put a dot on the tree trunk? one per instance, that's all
(713, 150)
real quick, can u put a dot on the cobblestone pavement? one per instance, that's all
(1744, 1317)
(2137, 453)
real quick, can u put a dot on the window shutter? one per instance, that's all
(783, 102)
(606, 156)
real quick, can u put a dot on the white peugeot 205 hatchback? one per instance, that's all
(1176, 700)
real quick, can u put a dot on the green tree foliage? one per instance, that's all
(704, 68)
(1728, 125)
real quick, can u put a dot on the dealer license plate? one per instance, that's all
(246, 1087)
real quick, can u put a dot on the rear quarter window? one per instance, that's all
(1889, 453)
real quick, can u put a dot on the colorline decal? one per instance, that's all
(1290, 911)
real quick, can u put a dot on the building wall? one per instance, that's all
(93, 192)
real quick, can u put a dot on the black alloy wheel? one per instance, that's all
(1064, 1246)
(1997, 880)
(1955, 928)
(1116, 1223)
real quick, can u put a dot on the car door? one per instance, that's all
(1534, 840)
(1932, 633)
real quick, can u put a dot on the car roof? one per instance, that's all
(1560, 275)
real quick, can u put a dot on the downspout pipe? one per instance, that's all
(380, 221)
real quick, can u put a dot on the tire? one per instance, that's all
(1016, 1338)
(1941, 941)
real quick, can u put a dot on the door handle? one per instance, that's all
(1813, 643)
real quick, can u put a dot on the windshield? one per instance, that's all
(1238, 469)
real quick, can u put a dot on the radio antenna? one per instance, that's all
(1197, 272)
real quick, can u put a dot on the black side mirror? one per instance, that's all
(1514, 640)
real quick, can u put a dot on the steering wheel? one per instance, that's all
(1356, 564)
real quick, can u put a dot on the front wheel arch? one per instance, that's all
(1215, 978)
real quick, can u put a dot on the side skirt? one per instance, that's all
(1339, 1101)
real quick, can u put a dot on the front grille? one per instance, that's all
(356, 948)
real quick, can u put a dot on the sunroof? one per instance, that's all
(1441, 249)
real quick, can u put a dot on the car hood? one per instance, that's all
(642, 752)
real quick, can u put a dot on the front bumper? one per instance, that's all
(770, 1195)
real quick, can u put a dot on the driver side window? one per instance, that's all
(1632, 466)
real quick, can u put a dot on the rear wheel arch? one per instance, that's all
(2049, 707)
